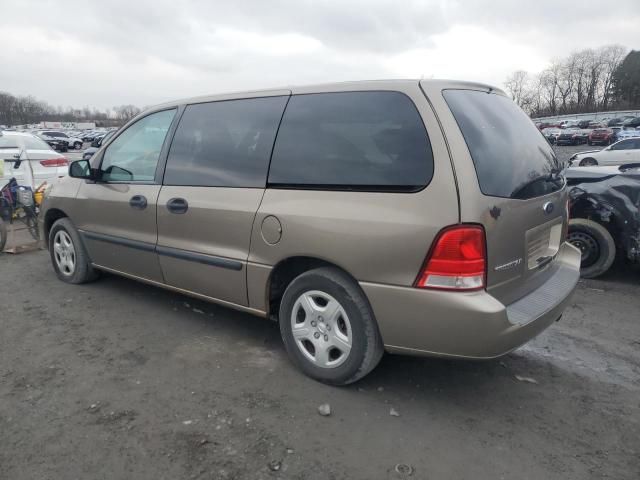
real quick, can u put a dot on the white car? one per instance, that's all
(38, 163)
(620, 153)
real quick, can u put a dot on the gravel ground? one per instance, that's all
(120, 380)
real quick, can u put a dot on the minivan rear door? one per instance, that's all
(509, 181)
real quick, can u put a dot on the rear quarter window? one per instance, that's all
(511, 157)
(352, 141)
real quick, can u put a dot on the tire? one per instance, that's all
(77, 145)
(588, 162)
(353, 324)
(3, 234)
(597, 247)
(589, 142)
(80, 269)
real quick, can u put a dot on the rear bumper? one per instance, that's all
(470, 325)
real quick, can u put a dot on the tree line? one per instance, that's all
(22, 110)
(589, 80)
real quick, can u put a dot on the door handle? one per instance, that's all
(177, 205)
(139, 202)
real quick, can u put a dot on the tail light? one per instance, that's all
(457, 260)
(55, 162)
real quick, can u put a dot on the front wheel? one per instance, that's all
(588, 162)
(68, 255)
(597, 247)
(328, 327)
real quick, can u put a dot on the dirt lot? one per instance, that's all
(118, 380)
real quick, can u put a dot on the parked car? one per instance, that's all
(72, 142)
(91, 135)
(572, 136)
(57, 144)
(601, 136)
(620, 153)
(632, 123)
(569, 124)
(34, 154)
(627, 133)
(543, 125)
(316, 206)
(551, 134)
(584, 123)
(95, 145)
(614, 122)
(605, 217)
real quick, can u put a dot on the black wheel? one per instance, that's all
(68, 255)
(328, 327)
(589, 142)
(77, 145)
(597, 247)
(3, 234)
(588, 162)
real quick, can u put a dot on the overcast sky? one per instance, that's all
(106, 53)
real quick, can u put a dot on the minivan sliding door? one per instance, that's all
(214, 181)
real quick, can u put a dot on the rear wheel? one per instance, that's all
(77, 145)
(588, 162)
(597, 247)
(328, 327)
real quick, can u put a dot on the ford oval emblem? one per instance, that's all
(548, 207)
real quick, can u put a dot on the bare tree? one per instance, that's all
(516, 85)
(126, 112)
(581, 82)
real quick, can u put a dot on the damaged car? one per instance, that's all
(604, 218)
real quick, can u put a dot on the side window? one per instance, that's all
(133, 156)
(224, 144)
(623, 145)
(362, 140)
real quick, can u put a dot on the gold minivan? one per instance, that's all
(420, 217)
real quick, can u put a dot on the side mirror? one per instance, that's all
(81, 169)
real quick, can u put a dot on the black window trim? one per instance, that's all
(404, 189)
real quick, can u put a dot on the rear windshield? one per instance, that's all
(511, 157)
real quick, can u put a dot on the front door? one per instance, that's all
(214, 181)
(116, 215)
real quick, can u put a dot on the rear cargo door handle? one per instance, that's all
(542, 261)
(177, 205)
(139, 202)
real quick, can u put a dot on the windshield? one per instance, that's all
(511, 157)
